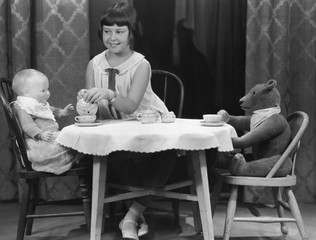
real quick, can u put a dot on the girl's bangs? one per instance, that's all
(115, 18)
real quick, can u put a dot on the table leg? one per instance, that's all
(202, 189)
(195, 205)
(98, 190)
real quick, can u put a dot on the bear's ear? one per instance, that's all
(271, 84)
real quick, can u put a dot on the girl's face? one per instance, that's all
(116, 38)
(38, 89)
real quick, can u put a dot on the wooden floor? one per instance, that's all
(161, 225)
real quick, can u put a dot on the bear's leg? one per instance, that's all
(257, 168)
(223, 159)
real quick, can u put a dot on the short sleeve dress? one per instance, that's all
(123, 82)
(140, 169)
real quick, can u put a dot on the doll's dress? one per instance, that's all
(44, 156)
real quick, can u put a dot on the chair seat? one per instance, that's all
(255, 181)
(75, 171)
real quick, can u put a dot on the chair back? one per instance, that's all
(18, 140)
(6, 87)
(169, 88)
(298, 122)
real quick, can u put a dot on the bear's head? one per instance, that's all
(261, 96)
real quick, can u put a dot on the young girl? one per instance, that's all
(37, 119)
(118, 79)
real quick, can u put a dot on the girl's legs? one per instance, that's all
(129, 224)
(146, 170)
(143, 227)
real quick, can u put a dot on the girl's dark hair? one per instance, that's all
(121, 14)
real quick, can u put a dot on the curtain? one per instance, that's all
(210, 50)
(281, 45)
(51, 36)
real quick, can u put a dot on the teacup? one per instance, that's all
(85, 118)
(168, 117)
(148, 116)
(212, 118)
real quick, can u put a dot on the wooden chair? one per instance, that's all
(6, 89)
(298, 122)
(29, 199)
(169, 87)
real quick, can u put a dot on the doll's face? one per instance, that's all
(37, 88)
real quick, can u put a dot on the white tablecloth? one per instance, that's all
(132, 135)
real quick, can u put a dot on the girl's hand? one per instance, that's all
(81, 93)
(47, 136)
(94, 95)
(67, 110)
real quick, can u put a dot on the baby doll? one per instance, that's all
(37, 119)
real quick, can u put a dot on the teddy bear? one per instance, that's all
(267, 133)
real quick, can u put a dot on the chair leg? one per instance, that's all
(230, 213)
(296, 212)
(86, 199)
(25, 201)
(175, 208)
(277, 195)
(216, 194)
(32, 206)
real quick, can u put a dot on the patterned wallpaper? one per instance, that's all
(60, 49)
(62, 45)
(281, 44)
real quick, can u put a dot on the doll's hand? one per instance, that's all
(67, 110)
(94, 95)
(225, 116)
(47, 136)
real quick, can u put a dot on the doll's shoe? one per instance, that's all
(143, 229)
(129, 229)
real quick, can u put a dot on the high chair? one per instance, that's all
(29, 200)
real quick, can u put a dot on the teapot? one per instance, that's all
(84, 108)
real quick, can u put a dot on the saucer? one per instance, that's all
(212, 124)
(87, 124)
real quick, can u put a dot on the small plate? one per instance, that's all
(87, 124)
(214, 124)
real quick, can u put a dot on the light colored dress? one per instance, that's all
(140, 169)
(123, 83)
(35, 118)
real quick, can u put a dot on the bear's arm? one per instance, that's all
(241, 123)
(269, 129)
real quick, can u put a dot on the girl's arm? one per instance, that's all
(89, 76)
(89, 83)
(136, 92)
(126, 104)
